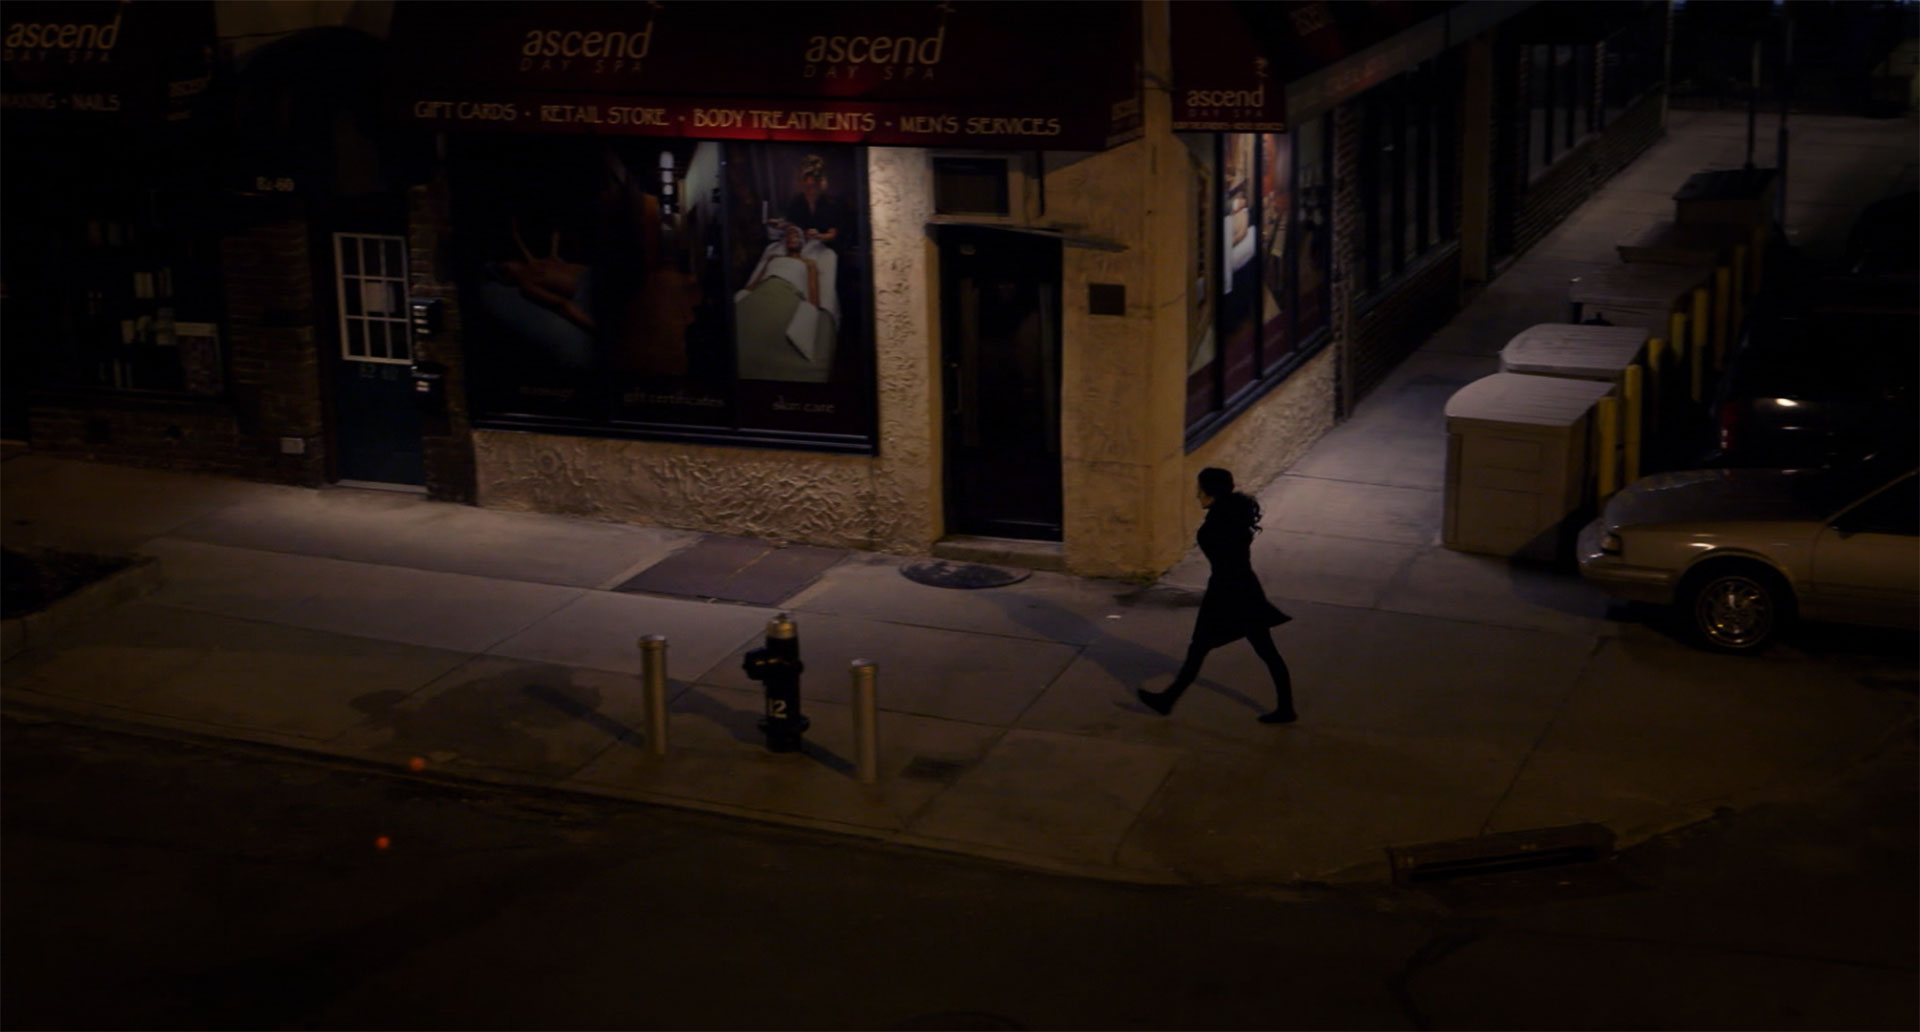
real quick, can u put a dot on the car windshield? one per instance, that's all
(1831, 490)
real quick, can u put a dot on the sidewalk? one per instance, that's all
(1442, 695)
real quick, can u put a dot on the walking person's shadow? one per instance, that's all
(1132, 664)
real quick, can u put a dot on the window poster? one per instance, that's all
(1240, 244)
(665, 286)
(1276, 211)
(1201, 349)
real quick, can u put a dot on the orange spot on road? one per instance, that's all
(416, 764)
(382, 842)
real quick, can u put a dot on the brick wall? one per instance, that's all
(1401, 319)
(273, 382)
(447, 443)
(1573, 179)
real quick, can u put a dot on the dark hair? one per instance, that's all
(1217, 483)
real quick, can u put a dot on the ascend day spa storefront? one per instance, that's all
(870, 275)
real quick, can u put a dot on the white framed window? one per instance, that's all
(371, 278)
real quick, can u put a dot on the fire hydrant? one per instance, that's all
(777, 666)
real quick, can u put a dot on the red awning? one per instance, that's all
(1053, 76)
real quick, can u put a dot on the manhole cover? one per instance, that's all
(939, 573)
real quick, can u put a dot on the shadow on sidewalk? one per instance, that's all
(1132, 664)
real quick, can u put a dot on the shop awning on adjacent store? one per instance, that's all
(1262, 67)
(102, 62)
(1029, 76)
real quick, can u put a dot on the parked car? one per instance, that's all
(1826, 375)
(1740, 553)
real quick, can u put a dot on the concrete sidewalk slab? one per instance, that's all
(1062, 796)
(1044, 606)
(390, 603)
(396, 529)
(66, 504)
(542, 720)
(954, 675)
(1657, 732)
(1346, 509)
(602, 630)
(719, 757)
(1338, 571)
(1321, 804)
(223, 674)
(1490, 590)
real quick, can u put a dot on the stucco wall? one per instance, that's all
(885, 503)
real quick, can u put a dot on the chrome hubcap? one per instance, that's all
(1734, 611)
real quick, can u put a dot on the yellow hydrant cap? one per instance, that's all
(781, 627)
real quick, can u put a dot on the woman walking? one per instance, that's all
(1234, 606)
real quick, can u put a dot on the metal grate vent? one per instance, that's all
(1507, 851)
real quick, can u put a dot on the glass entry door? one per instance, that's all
(1000, 315)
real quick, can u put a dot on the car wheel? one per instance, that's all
(1738, 608)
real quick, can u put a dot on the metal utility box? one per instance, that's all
(1517, 461)
(1636, 295)
(1740, 197)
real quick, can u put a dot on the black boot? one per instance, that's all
(1285, 716)
(1159, 702)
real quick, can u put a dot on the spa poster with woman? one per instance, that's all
(664, 284)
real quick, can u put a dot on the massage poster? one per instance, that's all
(713, 287)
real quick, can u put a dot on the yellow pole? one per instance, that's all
(1702, 304)
(1607, 415)
(1677, 339)
(1656, 380)
(1741, 291)
(1635, 409)
(1722, 302)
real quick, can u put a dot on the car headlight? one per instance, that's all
(1610, 543)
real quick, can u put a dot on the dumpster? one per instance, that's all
(1636, 295)
(1600, 353)
(1517, 463)
(1741, 197)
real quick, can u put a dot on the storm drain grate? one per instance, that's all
(927, 768)
(1507, 851)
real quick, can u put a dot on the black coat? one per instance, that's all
(1234, 605)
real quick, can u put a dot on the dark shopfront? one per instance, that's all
(112, 288)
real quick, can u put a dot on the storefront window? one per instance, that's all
(681, 288)
(112, 271)
(1632, 65)
(1559, 103)
(1406, 176)
(1265, 233)
(1313, 199)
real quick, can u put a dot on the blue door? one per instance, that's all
(376, 420)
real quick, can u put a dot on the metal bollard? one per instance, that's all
(866, 722)
(1656, 381)
(653, 690)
